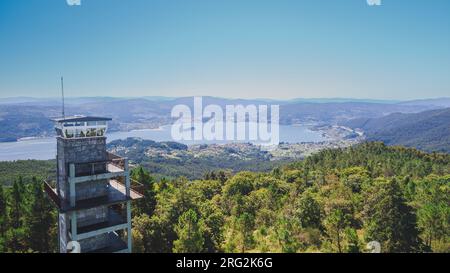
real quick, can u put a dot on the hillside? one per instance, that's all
(20, 121)
(441, 102)
(172, 159)
(26, 170)
(337, 200)
(28, 117)
(428, 131)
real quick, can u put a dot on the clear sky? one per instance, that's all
(228, 48)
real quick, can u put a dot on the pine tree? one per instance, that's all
(352, 240)
(389, 220)
(284, 232)
(335, 224)
(146, 205)
(308, 211)
(245, 226)
(39, 220)
(433, 210)
(190, 238)
(17, 199)
(16, 240)
(3, 212)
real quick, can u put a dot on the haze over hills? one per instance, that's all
(444, 101)
(29, 117)
(428, 131)
(441, 102)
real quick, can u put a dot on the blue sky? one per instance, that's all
(228, 48)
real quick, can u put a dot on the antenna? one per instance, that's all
(62, 93)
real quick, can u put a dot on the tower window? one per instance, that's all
(69, 133)
(91, 132)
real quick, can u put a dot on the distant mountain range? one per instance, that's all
(29, 117)
(445, 102)
(440, 102)
(428, 131)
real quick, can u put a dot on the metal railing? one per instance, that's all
(100, 167)
(137, 187)
(52, 194)
(134, 185)
(94, 168)
(116, 160)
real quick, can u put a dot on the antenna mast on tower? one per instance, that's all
(62, 93)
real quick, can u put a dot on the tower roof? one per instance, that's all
(80, 119)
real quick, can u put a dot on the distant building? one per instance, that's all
(92, 189)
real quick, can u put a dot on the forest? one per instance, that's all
(26, 170)
(335, 201)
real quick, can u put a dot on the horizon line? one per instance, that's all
(226, 98)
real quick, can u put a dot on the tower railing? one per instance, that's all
(113, 164)
(51, 192)
(134, 185)
(114, 169)
(116, 160)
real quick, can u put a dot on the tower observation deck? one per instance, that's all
(92, 189)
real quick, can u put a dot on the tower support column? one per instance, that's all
(72, 193)
(129, 234)
(73, 226)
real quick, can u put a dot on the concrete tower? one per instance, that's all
(93, 190)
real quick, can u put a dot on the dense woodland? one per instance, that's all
(27, 218)
(26, 169)
(334, 201)
(173, 160)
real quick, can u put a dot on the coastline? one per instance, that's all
(8, 140)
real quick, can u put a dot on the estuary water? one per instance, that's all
(45, 148)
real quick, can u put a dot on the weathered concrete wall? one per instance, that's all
(91, 189)
(92, 216)
(82, 150)
(94, 243)
(77, 151)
